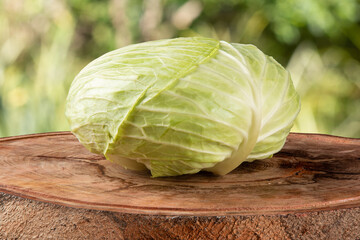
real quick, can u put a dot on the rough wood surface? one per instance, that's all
(21, 218)
(310, 189)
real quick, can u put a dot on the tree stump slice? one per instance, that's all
(52, 187)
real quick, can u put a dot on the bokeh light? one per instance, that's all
(45, 43)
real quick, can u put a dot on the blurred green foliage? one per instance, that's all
(45, 43)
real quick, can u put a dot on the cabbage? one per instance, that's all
(179, 106)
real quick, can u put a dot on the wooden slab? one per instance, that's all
(312, 174)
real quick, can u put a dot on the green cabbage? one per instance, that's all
(179, 106)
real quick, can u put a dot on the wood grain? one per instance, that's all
(313, 177)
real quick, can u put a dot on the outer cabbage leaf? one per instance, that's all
(183, 105)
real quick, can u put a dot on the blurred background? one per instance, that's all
(45, 43)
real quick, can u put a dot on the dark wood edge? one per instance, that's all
(293, 134)
(32, 135)
(328, 137)
(353, 203)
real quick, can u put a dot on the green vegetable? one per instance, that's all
(183, 105)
